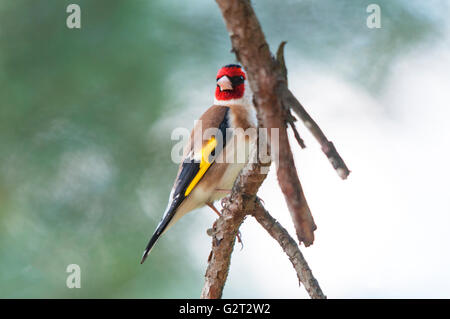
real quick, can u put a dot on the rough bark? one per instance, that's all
(240, 203)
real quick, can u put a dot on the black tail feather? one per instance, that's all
(150, 244)
(162, 227)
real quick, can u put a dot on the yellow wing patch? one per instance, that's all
(204, 164)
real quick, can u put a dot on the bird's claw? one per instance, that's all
(261, 200)
(239, 238)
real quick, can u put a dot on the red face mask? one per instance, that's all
(230, 83)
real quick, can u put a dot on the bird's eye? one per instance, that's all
(236, 80)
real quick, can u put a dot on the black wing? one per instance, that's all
(189, 170)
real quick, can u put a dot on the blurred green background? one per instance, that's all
(84, 169)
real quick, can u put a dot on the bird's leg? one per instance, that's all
(211, 205)
(228, 191)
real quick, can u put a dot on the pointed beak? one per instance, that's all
(224, 83)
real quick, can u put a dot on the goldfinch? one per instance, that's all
(202, 178)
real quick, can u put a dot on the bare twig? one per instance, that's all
(327, 146)
(290, 247)
(290, 119)
(296, 134)
(289, 102)
(280, 60)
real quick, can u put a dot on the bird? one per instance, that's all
(211, 165)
